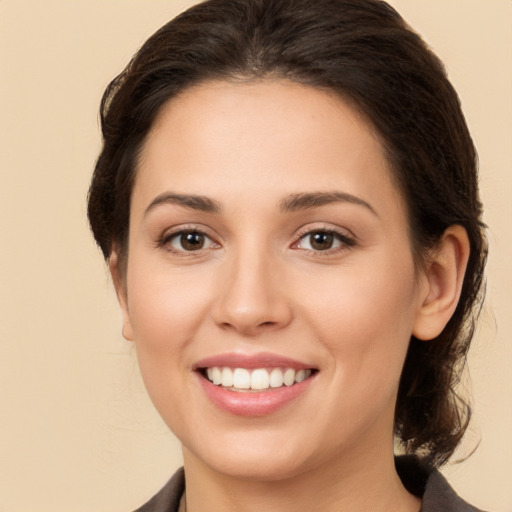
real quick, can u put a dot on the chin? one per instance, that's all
(253, 459)
(271, 469)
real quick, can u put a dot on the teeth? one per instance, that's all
(216, 375)
(227, 377)
(300, 375)
(258, 379)
(289, 377)
(241, 378)
(276, 378)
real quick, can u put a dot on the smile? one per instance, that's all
(254, 385)
(258, 379)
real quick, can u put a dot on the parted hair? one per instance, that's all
(365, 52)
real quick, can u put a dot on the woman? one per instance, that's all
(287, 200)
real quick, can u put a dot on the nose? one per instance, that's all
(252, 296)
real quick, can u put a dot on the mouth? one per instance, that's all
(253, 385)
(255, 379)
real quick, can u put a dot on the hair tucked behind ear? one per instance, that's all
(363, 51)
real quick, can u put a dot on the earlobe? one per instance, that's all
(119, 281)
(444, 276)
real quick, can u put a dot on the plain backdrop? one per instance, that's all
(77, 431)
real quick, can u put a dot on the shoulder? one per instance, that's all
(429, 484)
(167, 499)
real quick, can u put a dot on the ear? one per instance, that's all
(444, 276)
(119, 280)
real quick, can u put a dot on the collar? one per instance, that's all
(418, 477)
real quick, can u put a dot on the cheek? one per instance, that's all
(165, 307)
(364, 318)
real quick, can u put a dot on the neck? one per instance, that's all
(354, 484)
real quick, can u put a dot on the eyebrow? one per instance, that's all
(194, 202)
(291, 203)
(303, 201)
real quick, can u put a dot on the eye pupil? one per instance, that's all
(192, 241)
(321, 241)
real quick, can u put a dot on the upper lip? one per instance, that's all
(260, 360)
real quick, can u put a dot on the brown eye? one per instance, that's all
(189, 241)
(192, 241)
(323, 241)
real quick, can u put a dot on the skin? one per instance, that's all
(257, 285)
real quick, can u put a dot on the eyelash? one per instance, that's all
(345, 241)
(167, 238)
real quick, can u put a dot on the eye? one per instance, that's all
(323, 240)
(188, 241)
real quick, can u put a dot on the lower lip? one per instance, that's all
(260, 403)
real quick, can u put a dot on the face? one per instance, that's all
(269, 253)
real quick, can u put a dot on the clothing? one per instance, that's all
(418, 478)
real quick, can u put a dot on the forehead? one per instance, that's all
(266, 137)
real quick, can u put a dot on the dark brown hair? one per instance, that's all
(365, 52)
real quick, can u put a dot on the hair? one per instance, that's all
(363, 51)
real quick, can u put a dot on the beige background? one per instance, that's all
(77, 432)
